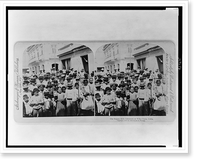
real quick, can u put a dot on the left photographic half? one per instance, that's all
(57, 79)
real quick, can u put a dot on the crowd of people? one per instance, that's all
(72, 93)
(132, 93)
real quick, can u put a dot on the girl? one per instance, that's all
(99, 108)
(60, 108)
(159, 105)
(36, 102)
(108, 101)
(132, 100)
(87, 104)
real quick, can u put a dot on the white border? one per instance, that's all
(184, 149)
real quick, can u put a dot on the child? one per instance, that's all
(159, 105)
(119, 104)
(60, 108)
(33, 85)
(27, 109)
(47, 105)
(26, 89)
(150, 96)
(108, 101)
(78, 98)
(87, 104)
(71, 97)
(36, 103)
(142, 97)
(98, 89)
(99, 108)
(132, 100)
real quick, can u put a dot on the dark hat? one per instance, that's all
(33, 80)
(158, 80)
(121, 85)
(85, 80)
(69, 84)
(136, 87)
(141, 78)
(39, 85)
(114, 84)
(108, 89)
(49, 86)
(97, 84)
(35, 90)
(62, 76)
(46, 93)
(41, 78)
(26, 82)
(114, 76)
(63, 87)
(118, 92)
(142, 84)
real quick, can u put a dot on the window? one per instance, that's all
(160, 63)
(141, 63)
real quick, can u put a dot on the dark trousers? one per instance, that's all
(71, 108)
(86, 113)
(143, 108)
(158, 113)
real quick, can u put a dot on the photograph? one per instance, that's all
(130, 80)
(58, 80)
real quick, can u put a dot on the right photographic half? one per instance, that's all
(135, 79)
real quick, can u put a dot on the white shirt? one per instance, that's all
(71, 94)
(29, 109)
(100, 107)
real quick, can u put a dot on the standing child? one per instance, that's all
(132, 102)
(99, 108)
(47, 105)
(71, 97)
(108, 101)
(160, 104)
(150, 96)
(60, 108)
(37, 102)
(119, 104)
(142, 97)
(27, 109)
(87, 104)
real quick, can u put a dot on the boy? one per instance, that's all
(26, 89)
(142, 97)
(27, 109)
(36, 103)
(150, 97)
(98, 89)
(99, 108)
(71, 97)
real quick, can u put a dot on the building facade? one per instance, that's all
(118, 56)
(149, 56)
(123, 56)
(42, 57)
(77, 57)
